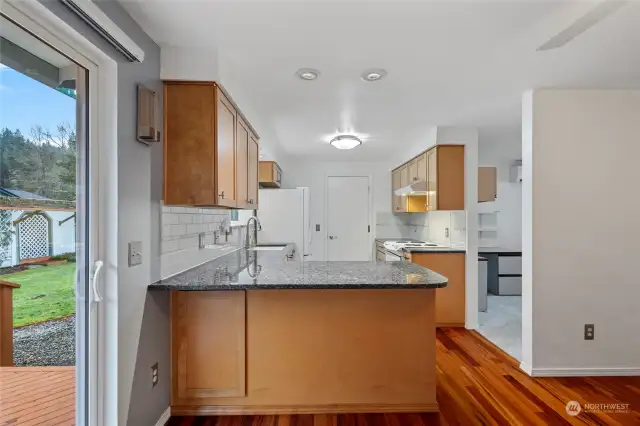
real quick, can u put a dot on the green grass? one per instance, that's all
(45, 293)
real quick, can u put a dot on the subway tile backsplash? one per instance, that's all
(181, 226)
(180, 248)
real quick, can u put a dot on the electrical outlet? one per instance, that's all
(589, 332)
(317, 227)
(135, 253)
(154, 375)
(201, 240)
(446, 232)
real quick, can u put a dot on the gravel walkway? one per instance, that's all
(46, 344)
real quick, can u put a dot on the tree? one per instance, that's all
(44, 163)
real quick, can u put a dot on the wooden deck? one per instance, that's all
(43, 396)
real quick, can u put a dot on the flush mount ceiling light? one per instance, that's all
(307, 74)
(373, 75)
(345, 142)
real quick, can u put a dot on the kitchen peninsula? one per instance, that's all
(261, 332)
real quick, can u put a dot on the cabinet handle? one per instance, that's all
(251, 201)
(221, 195)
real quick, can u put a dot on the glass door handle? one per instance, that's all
(97, 266)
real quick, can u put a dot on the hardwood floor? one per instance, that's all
(478, 384)
(42, 396)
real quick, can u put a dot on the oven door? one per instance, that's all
(392, 257)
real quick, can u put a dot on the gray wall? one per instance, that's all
(141, 317)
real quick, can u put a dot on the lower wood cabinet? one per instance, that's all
(450, 300)
(208, 331)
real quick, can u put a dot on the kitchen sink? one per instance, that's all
(267, 248)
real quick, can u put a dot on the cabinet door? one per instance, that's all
(277, 173)
(189, 160)
(396, 183)
(487, 184)
(404, 176)
(208, 344)
(242, 164)
(226, 151)
(450, 300)
(413, 170)
(252, 173)
(422, 168)
(432, 179)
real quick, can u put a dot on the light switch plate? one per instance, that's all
(135, 253)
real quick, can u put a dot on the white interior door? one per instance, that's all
(348, 218)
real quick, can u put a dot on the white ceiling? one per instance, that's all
(448, 62)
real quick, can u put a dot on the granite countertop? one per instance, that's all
(258, 270)
(499, 250)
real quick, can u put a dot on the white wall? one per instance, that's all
(580, 224)
(311, 174)
(501, 150)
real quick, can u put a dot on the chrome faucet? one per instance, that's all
(258, 228)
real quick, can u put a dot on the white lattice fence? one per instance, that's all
(5, 236)
(33, 235)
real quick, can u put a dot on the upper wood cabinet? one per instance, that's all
(208, 330)
(421, 167)
(442, 168)
(206, 158)
(242, 164)
(252, 173)
(398, 204)
(487, 184)
(270, 174)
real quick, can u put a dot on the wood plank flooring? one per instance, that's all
(478, 384)
(31, 396)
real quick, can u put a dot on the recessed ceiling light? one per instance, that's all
(345, 142)
(307, 74)
(373, 75)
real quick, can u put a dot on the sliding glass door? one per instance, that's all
(48, 234)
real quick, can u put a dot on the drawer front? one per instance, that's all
(509, 265)
(510, 286)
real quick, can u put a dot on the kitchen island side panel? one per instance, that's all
(321, 351)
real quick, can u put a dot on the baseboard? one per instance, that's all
(221, 410)
(579, 372)
(164, 418)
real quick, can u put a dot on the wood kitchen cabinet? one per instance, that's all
(442, 168)
(450, 300)
(208, 345)
(487, 184)
(247, 152)
(252, 173)
(206, 161)
(270, 174)
(418, 169)
(398, 202)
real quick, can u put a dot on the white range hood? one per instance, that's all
(415, 188)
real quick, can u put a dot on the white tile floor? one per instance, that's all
(502, 323)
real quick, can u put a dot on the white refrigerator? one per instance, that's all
(285, 217)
